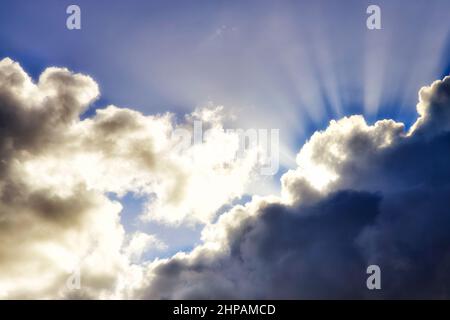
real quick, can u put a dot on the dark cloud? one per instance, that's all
(304, 252)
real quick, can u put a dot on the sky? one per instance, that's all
(88, 151)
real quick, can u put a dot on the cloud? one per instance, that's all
(433, 109)
(362, 194)
(141, 242)
(57, 172)
(44, 230)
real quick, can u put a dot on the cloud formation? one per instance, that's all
(362, 194)
(57, 172)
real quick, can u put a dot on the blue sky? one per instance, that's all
(293, 65)
(175, 55)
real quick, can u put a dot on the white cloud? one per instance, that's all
(140, 243)
(56, 171)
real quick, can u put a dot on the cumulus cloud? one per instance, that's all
(57, 172)
(362, 194)
(141, 242)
